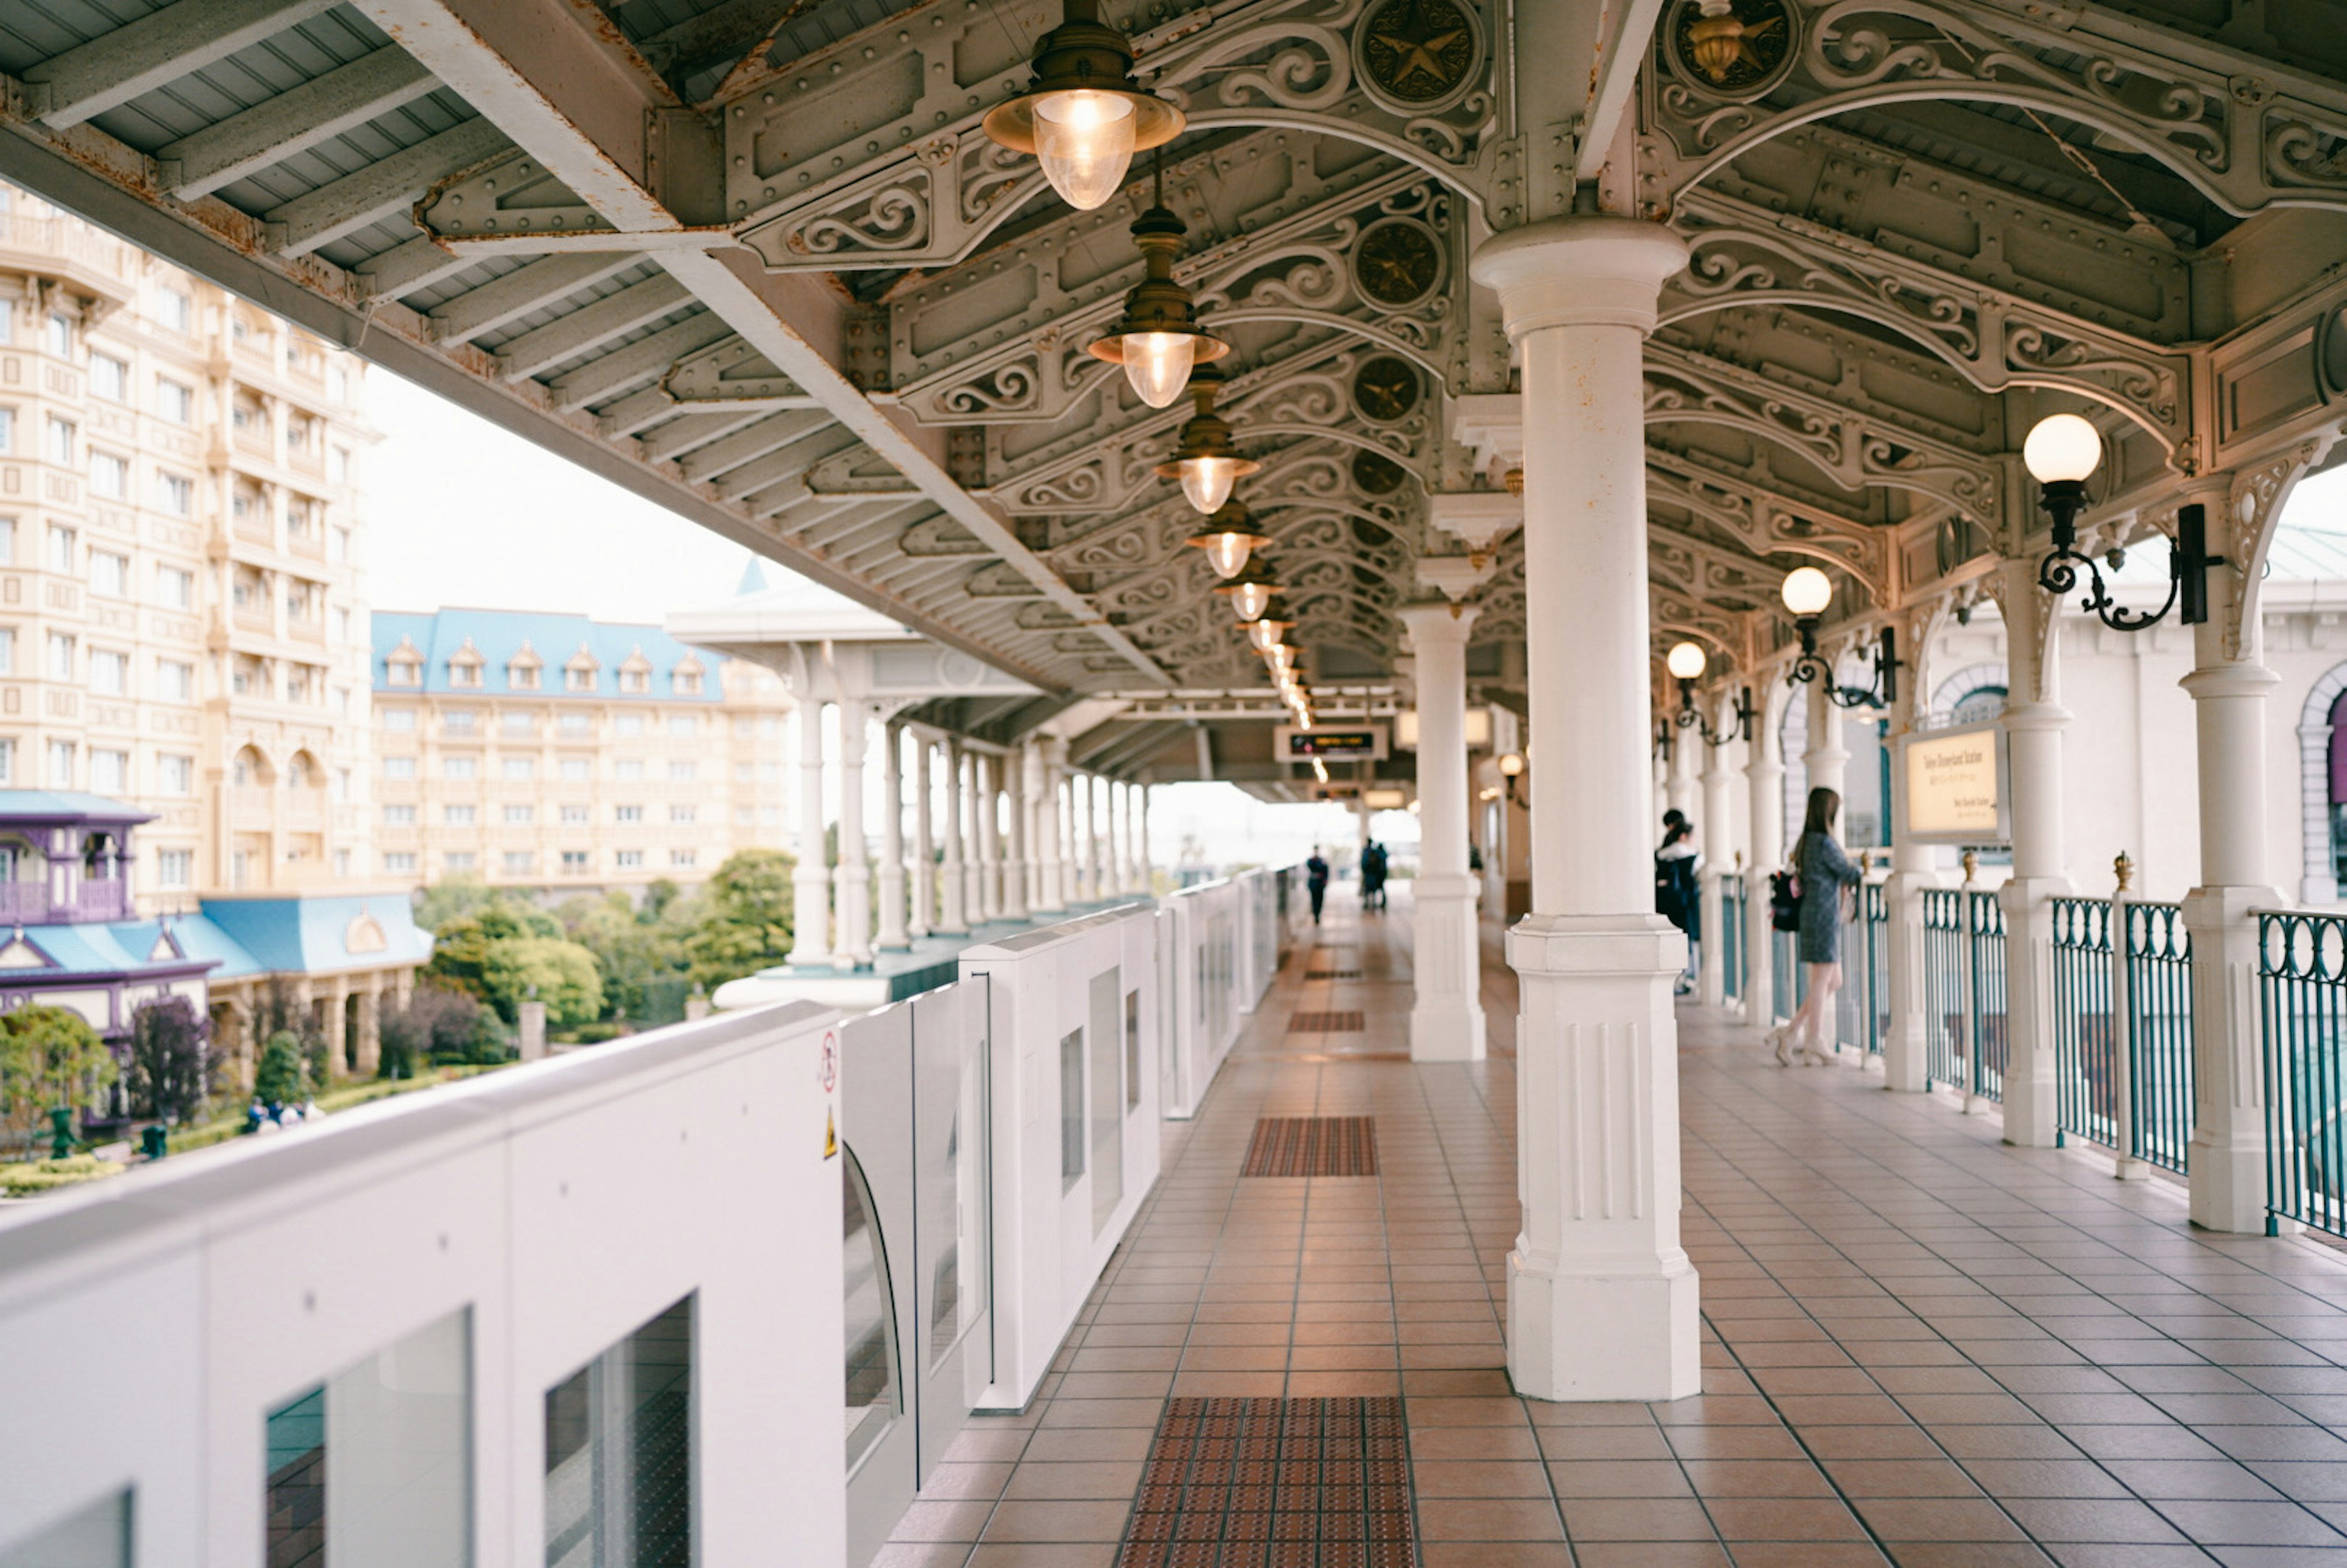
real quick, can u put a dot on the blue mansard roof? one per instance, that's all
(499, 635)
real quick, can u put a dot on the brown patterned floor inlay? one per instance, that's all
(1332, 974)
(1326, 1022)
(1313, 1146)
(1275, 1483)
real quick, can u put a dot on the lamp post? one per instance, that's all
(2062, 453)
(1512, 768)
(1686, 662)
(1806, 592)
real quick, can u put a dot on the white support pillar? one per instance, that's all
(1906, 1060)
(2228, 688)
(1764, 802)
(1446, 1018)
(1141, 850)
(894, 935)
(953, 909)
(852, 941)
(811, 881)
(924, 864)
(985, 771)
(1826, 759)
(973, 852)
(1016, 899)
(1120, 836)
(2033, 722)
(1711, 833)
(1679, 782)
(1049, 831)
(1098, 823)
(1080, 837)
(1602, 1300)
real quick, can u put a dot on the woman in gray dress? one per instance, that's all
(1824, 871)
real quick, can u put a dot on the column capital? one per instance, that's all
(1438, 622)
(2234, 678)
(1579, 272)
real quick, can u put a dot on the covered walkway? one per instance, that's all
(1921, 1346)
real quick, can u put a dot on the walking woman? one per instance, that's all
(1825, 872)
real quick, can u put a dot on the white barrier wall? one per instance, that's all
(1202, 943)
(368, 1329)
(1071, 1017)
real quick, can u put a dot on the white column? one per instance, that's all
(1119, 835)
(1764, 802)
(1052, 896)
(985, 772)
(1096, 790)
(893, 932)
(2228, 1158)
(1602, 1300)
(953, 909)
(853, 939)
(1446, 1015)
(1825, 758)
(1906, 1062)
(811, 882)
(2033, 721)
(1140, 853)
(925, 867)
(1678, 782)
(1016, 898)
(1080, 837)
(973, 863)
(1711, 833)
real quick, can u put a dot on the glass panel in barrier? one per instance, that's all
(618, 1453)
(1071, 1108)
(1107, 1096)
(97, 1536)
(1133, 1051)
(871, 1348)
(943, 1123)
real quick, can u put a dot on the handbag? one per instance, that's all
(1785, 895)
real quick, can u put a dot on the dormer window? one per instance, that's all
(635, 674)
(522, 670)
(465, 667)
(407, 673)
(685, 678)
(579, 674)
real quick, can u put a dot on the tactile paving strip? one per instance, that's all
(1326, 1023)
(1275, 1483)
(1313, 1146)
(1332, 974)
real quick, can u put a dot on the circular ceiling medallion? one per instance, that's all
(1737, 51)
(1397, 263)
(1377, 475)
(1419, 56)
(1386, 388)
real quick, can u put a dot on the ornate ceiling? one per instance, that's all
(755, 259)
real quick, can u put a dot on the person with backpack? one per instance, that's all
(1373, 875)
(1823, 872)
(1316, 882)
(1677, 895)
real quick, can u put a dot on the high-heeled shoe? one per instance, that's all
(1781, 1036)
(1813, 1057)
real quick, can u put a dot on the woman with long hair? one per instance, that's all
(1824, 871)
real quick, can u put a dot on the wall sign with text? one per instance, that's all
(1955, 787)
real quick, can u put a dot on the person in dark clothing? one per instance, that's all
(1316, 882)
(1373, 875)
(1825, 871)
(1677, 898)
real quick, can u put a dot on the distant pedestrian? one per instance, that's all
(1677, 890)
(1825, 871)
(1316, 882)
(1373, 875)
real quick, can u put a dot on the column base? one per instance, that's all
(1447, 1031)
(2228, 1158)
(1446, 1021)
(2031, 1098)
(1597, 1335)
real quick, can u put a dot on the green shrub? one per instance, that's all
(24, 1178)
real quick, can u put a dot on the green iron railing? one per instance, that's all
(2088, 1100)
(1947, 998)
(1984, 921)
(2302, 993)
(1731, 935)
(2159, 1015)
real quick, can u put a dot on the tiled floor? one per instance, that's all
(1921, 1346)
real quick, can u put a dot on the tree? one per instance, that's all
(283, 1076)
(563, 975)
(441, 1026)
(49, 1057)
(462, 948)
(745, 917)
(174, 1066)
(444, 901)
(281, 1011)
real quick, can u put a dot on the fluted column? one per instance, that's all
(811, 880)
(1016, 899)
(984, 769)
(1764, 804)
(852, 941)
(973, 865)
(2033, 722)
(1602, 1300)
(1711, 833)
(1049, 831)
(1906, 1060)
(893, 933)
(1446, 1015)
(1824, 758)
(925, 866)
(1140, 853)
(953, 910)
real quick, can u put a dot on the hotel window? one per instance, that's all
(628, 725)
(62, 555)
(682, 772)
(574, 862)
(627, 814)
(574, 816)
(401, 862)
(465, 674)
(7, 421)
(109, 672)
(578, 724)
(175, 494)
(63, 434)
(682, 858)
(522, 677)
(400, 719)
(109, 771)
(742, 726)
(7, 753)
(577, 770)
(338, 546)
(688, 683)
(743, 772)
(8, 532)
(399, 817)
(175, 401)
(175, 681)
(579, 678)
(683, 726)
(175, 588)
(405, 672)
(175, 310)
(627, 772)
(175, 868)
(520, 768)
(460, 767)
(457, 721)
(7, 651)
(635, 682)
(519, 862)
(521, 815)
(680, 814)
(342, 865)
(399, 767)
(457, 816)
(61, 656)
(338, 464)
(109, 476)
(109, 378)
(518, 722)
(460, 860)
(109, 574)
(61, 764)
(60, 340)
(629, 859)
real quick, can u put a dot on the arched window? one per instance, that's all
(1981, 705)
(2338, 791)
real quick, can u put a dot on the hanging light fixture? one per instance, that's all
(1229, 539)
(1281, 658)
(1267, 633)
(1081, 116)
(1204, 459)
(1807, 592)
(1158, 338)
(1249, 592)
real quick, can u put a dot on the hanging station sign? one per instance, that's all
(1329, 742)
(1953, 787)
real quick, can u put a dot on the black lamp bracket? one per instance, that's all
(2189, 561)
(1880, 692)
(1690, 717)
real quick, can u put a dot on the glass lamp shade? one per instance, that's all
(1227, 552)
(1084, 141)
(1808, 592)
(1281, 658)
(1686, 660)
(1158, 365)
(1513, 764)
(1267, 634)
(2062, 447)
(1250, 599)
(1206, 483)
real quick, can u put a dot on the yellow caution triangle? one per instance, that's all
(830, 1135)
